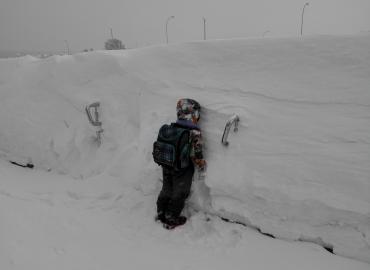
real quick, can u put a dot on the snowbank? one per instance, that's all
(298, 168)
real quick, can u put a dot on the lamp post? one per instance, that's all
(67, 46)
(305, 5)
(204, 28)
(168, 19)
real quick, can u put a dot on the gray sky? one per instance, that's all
(44, 24)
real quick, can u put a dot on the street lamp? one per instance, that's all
(67, 46)
(305, 5)
(168, 19)
(204, 28)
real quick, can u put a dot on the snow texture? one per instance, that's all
(297, 168)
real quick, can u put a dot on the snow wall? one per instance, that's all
(298, 167)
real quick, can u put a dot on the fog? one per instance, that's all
(49, 25)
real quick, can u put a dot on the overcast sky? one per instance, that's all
(45, 24)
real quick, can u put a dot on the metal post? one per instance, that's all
(168, 19)
(306, 4)
(67, 46)
(204, 28)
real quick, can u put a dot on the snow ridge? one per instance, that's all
(296, 169)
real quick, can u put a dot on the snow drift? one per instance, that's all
(298, 168)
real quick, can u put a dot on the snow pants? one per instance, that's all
(175, 190)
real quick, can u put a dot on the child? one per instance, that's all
(177, 182)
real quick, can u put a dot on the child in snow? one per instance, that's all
(177, 183)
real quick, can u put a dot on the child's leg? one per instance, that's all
(181, 190)
(165, 195)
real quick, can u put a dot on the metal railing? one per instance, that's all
(93, 116)
(233, 120)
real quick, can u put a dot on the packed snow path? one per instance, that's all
(297, 168)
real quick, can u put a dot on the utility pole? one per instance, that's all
(168, 19)
(204, 29)
(67, 47)
(305, 5)
(111, 33)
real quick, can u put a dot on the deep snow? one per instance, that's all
(297, 168)
(51, 221)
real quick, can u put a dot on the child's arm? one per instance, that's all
(196, 153)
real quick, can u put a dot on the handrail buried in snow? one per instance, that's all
(95, 122)
(94, 118)
(233, 120)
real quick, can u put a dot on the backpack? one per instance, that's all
(172, 147)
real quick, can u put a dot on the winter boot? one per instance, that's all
(172, 222)
(160, 217)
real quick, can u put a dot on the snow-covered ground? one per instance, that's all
(51, 221)
(298, 168)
